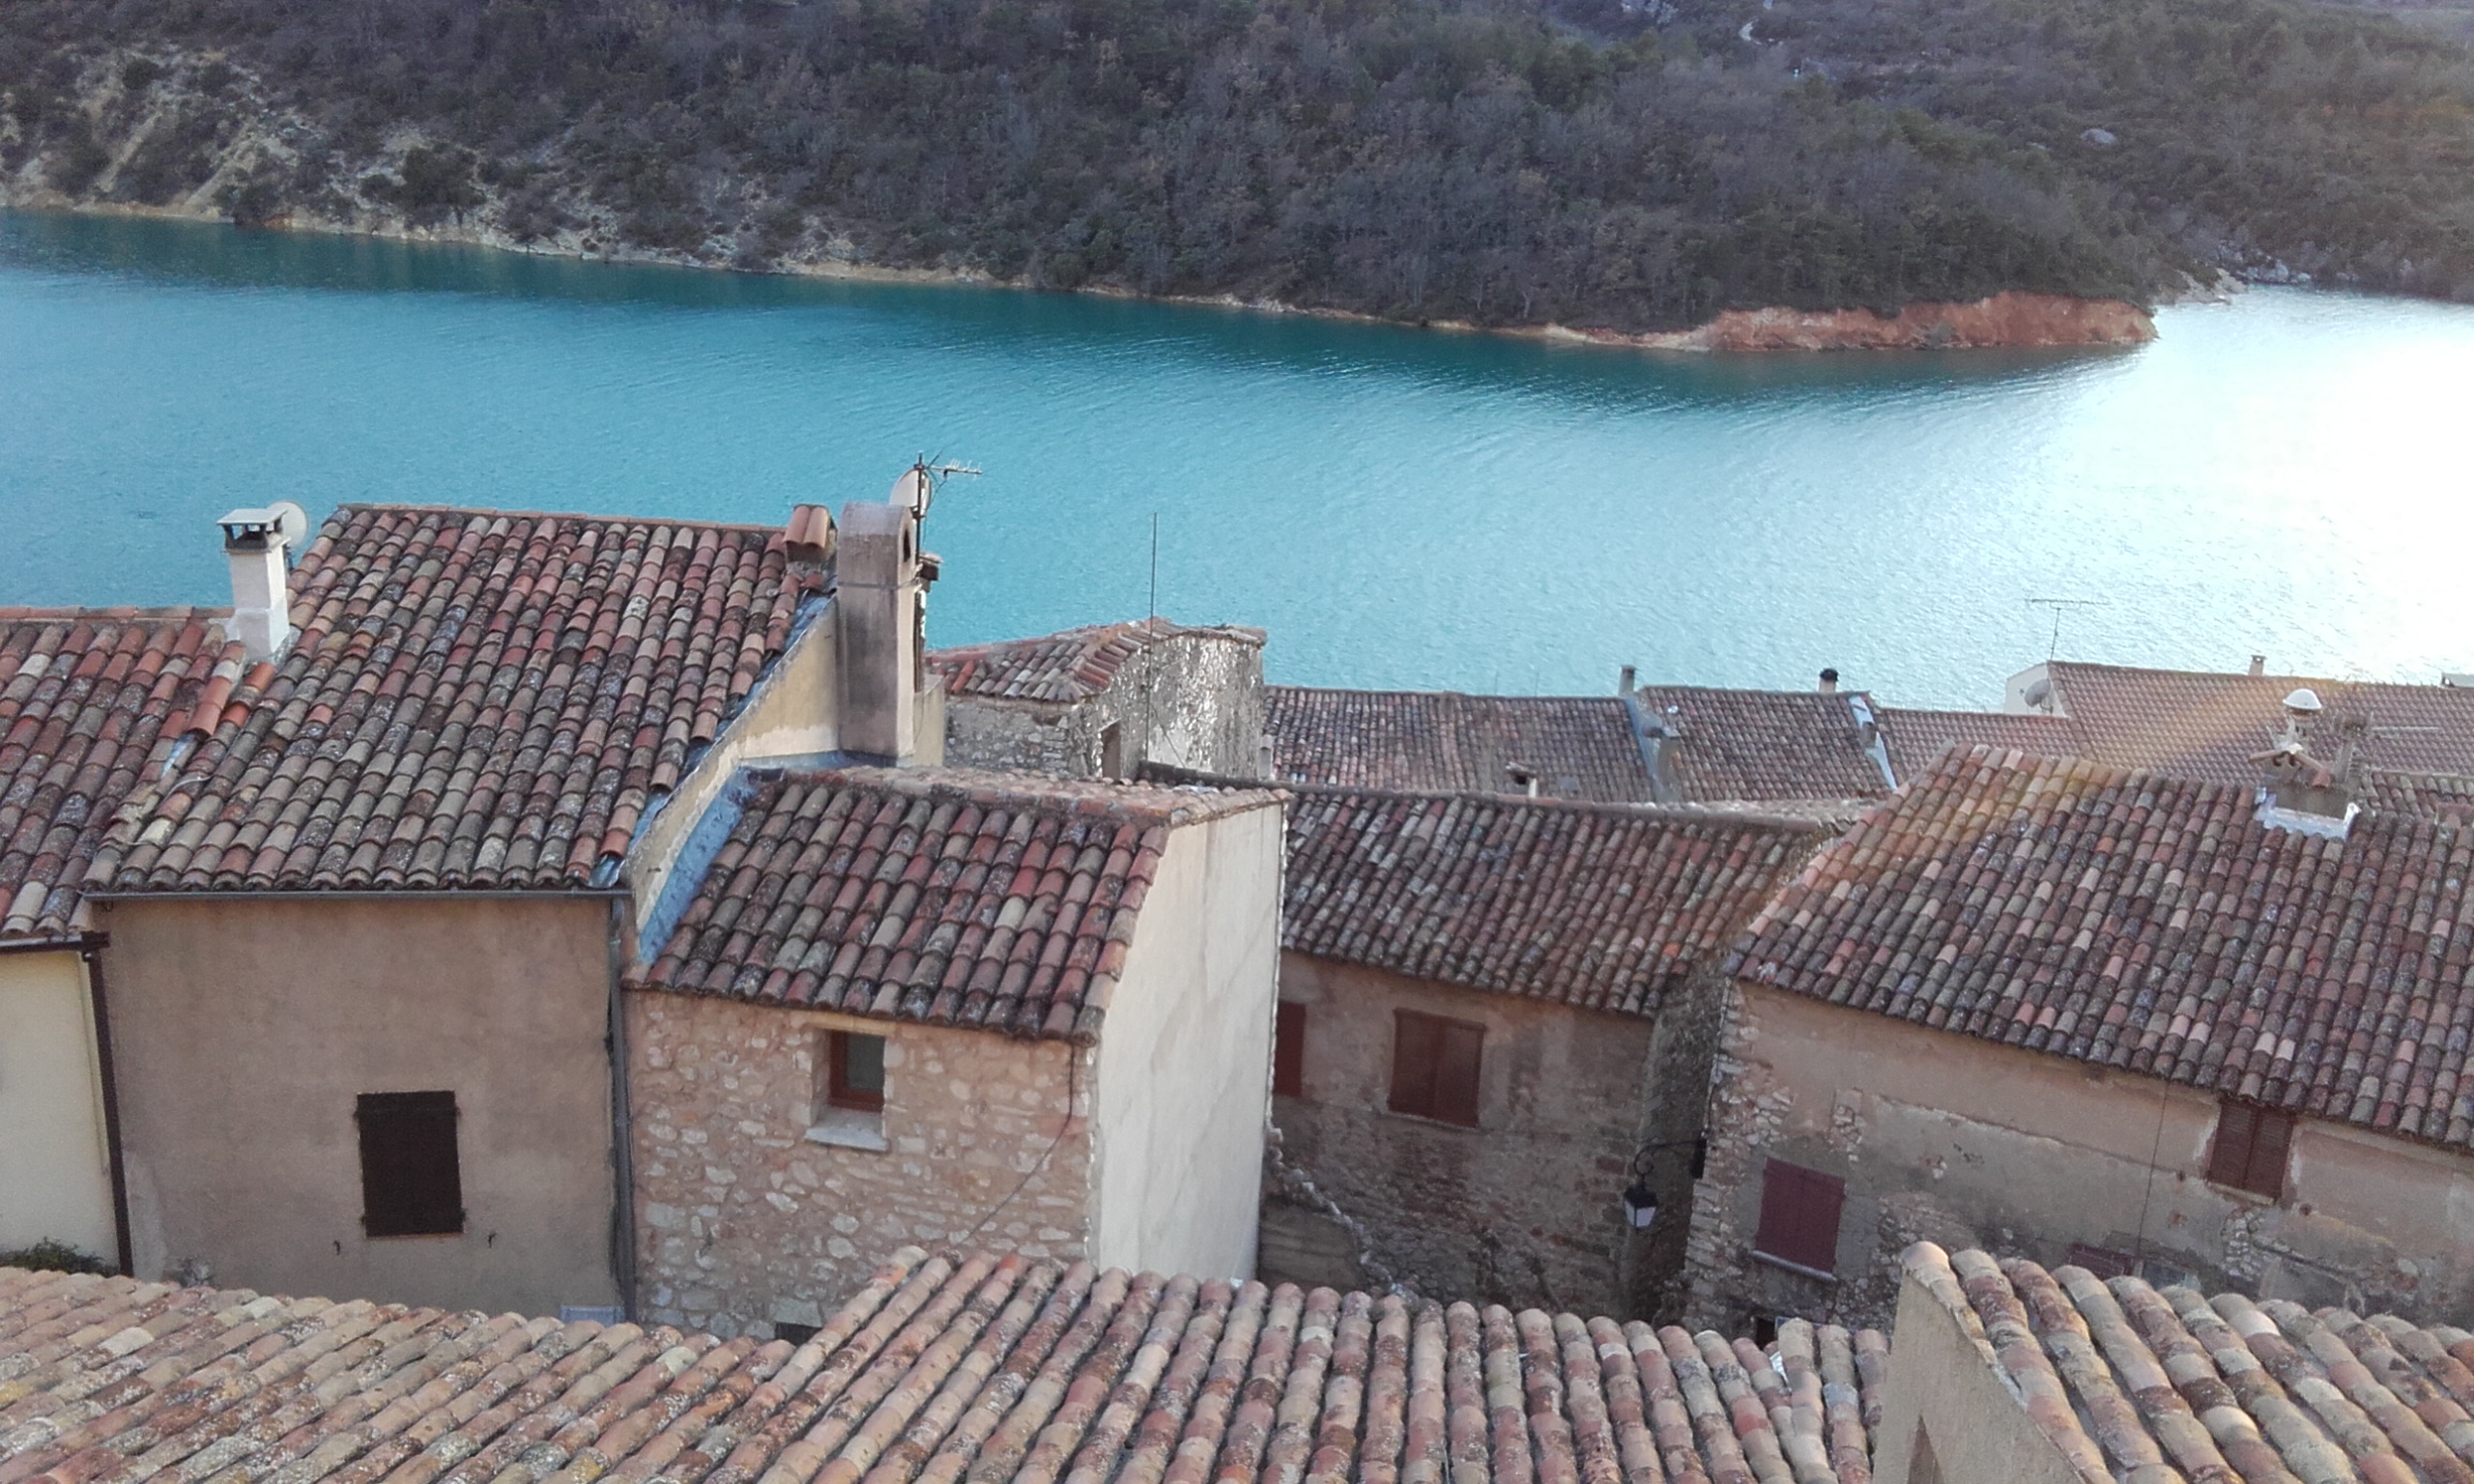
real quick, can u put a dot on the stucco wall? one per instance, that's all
(1949, 1410)
(743, 1221)
(1193, 701)
(243, 1030)
(1967, 1143)
(1524, 1210)
(1183, 1077)
(55, 1169)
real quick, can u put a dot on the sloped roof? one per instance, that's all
(1005, 901)
(1599, 906)
(1918, 739)
(1583, 746)
(2447, 798)
(476, 699)
(2148, 922)
(91, 702)
(2131, 1382)
(939, 1369)
(2207, 724)
(1064, 668)
(1764, 746)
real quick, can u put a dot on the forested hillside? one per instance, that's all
(1625, 163)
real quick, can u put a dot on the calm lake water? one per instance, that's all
(2289, 474)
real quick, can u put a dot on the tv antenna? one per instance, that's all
(919, 483)
(2054, 649)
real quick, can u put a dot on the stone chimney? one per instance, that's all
(257, 540)
(1829, 682)
(882, 630)
(2301, 791)
(1627, 682)
(2258, 664)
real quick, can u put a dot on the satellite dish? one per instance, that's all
(914, 491)
(291, 523)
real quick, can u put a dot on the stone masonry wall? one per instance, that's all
(1967, 1143)
(743, 1221)
(1191, 701)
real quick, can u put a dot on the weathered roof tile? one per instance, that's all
(1062, 668)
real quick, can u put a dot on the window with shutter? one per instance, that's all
(1435, 1063)
(1289, 1050)
(854, 1067)
(2250, 1149)
(1799, 1217)
(411, 1182)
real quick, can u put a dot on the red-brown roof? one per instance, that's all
(2131, 1382)
(2207, 725)
(940, 1369)
(1764, 746)
(2145, 922)
(1918, 739)
(91, 702)
(1064, 668)
(1594, 905)
(1581, 746)
(999, 900)
(476, 699)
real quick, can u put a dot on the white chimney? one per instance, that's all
(879, 629)
(2258, 664)
(257, 540)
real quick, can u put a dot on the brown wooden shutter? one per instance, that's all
(410, 1184)
(1289, 1050)
(1799, 1212)
(2271, 1141)
(2229, 1159)
(1456, 1072)
(1416, 1040)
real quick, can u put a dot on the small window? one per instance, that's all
(2251, 1146)
(1434, 1066)
(1112, 751)
(411, 1185)
(1289, 1050)
(1799, 1217)
(854, 1071)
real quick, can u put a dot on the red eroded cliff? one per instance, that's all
(2007, 319)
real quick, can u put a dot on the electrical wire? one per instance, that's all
(1073, 1082)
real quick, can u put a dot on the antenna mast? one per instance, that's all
(2054, 649)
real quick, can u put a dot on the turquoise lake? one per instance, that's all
(2290, 473)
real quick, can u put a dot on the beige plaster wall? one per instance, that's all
(55, 1167)
(243, 1029)
(1969, 1143)
(1945, 1403)
(744, 1221)
(1183, 1087)
(1525, 1209)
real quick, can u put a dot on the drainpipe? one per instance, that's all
(623, 1132)
(89, 950)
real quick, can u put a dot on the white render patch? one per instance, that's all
(2300, 822)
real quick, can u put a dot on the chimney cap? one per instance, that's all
(2303, 700)
(256, 528)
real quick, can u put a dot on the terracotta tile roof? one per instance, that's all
(90, 700)
(2131, 1382)
(476, 698)
(940, 1369)
(2148, 922)
(999, 901)
(1918, 739)
(2442, 797)
(2207, 725)
(1594, 905)
(1060, 667)
(1763, 745)
(1582, 747)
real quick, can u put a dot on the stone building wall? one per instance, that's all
(1524, 1210)
(1193, 700)
(743, 1221)
(1969, 1143)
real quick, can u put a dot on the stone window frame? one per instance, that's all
(837, 1115)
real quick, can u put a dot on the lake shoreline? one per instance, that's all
(2010, 320)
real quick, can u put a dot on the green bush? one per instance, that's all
(50, 1256)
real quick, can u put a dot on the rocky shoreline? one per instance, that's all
(2013, 319)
